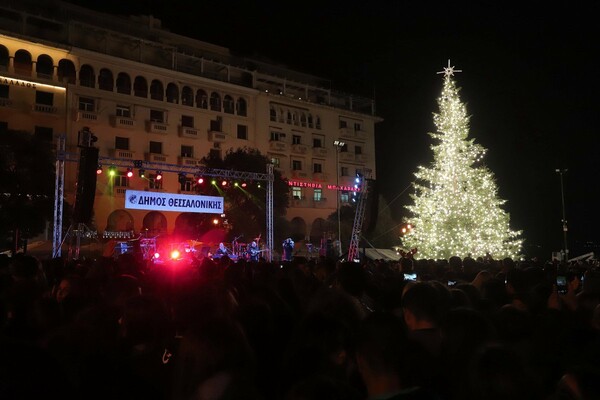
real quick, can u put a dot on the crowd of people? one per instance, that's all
(297, 330)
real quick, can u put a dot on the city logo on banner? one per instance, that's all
(155, 201)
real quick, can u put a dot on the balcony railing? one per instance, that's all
(87, 116)
(122, 122)
(278, 145)
(186, 131)
(216, 136)
(120, 153)
(347, 156)
(362, 158)
(320, 152)
(42, 108)
(157, 127)
(299, 148)
(188, 161)
(154, 157)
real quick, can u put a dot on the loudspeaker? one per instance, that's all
(86, 185)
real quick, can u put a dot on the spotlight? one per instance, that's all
(99, 169)
(175, 254)
(215, 221)
(156, 255)
(129, 172)
(224, 183)
(158, 175)
(112, 171)
(236, 184)
(199, 180)
(142, 173)
(213, 182)
(244, 184)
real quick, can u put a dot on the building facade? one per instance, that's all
(148, 94)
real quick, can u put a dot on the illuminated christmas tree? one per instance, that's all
(456, 210)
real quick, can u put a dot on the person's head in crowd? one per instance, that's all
(352, 278)
(459, 299)
(214, 357)
(407, 265)
(481, 278)
(25, 268)
(581, 383)
(421, 306)
(493, 293)
(144, 322)
(513, 325)
(70, 285)
(471, 291)
(498, 373)
(455, 263)
(508, 264)
(122, 288)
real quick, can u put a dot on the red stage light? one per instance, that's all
(175, 254)
(224, 183)
(129, 172)
(244, 184)
(157, 255)
(99, 170)
(200, 181)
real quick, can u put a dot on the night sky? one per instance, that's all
(529, 81)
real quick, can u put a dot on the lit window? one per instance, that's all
(296, 193)
(318, 195)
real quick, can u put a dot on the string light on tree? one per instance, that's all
(456, 206)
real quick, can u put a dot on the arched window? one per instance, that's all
(44, 67)
(66, 71)
(215, 101)
(201, 99)
(303, 120)
(4, 58)
(23, 64)
(187, 96)
(273, 114)
(87, 77)
(172, 93)
(228, 105)
(140, 87)
(123, 83)
(242, 108)
(105, 80)
(156, 90)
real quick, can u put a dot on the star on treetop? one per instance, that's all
(449, 70)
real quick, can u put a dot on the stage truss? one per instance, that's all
(62, 156)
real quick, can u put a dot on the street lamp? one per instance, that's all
(338, 144)
(564, 216)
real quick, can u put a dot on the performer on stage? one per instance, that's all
(253, 251)
(221, 251)
(288, 248)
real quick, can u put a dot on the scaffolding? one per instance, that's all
(359, 217)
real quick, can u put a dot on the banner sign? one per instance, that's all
(158, 201)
